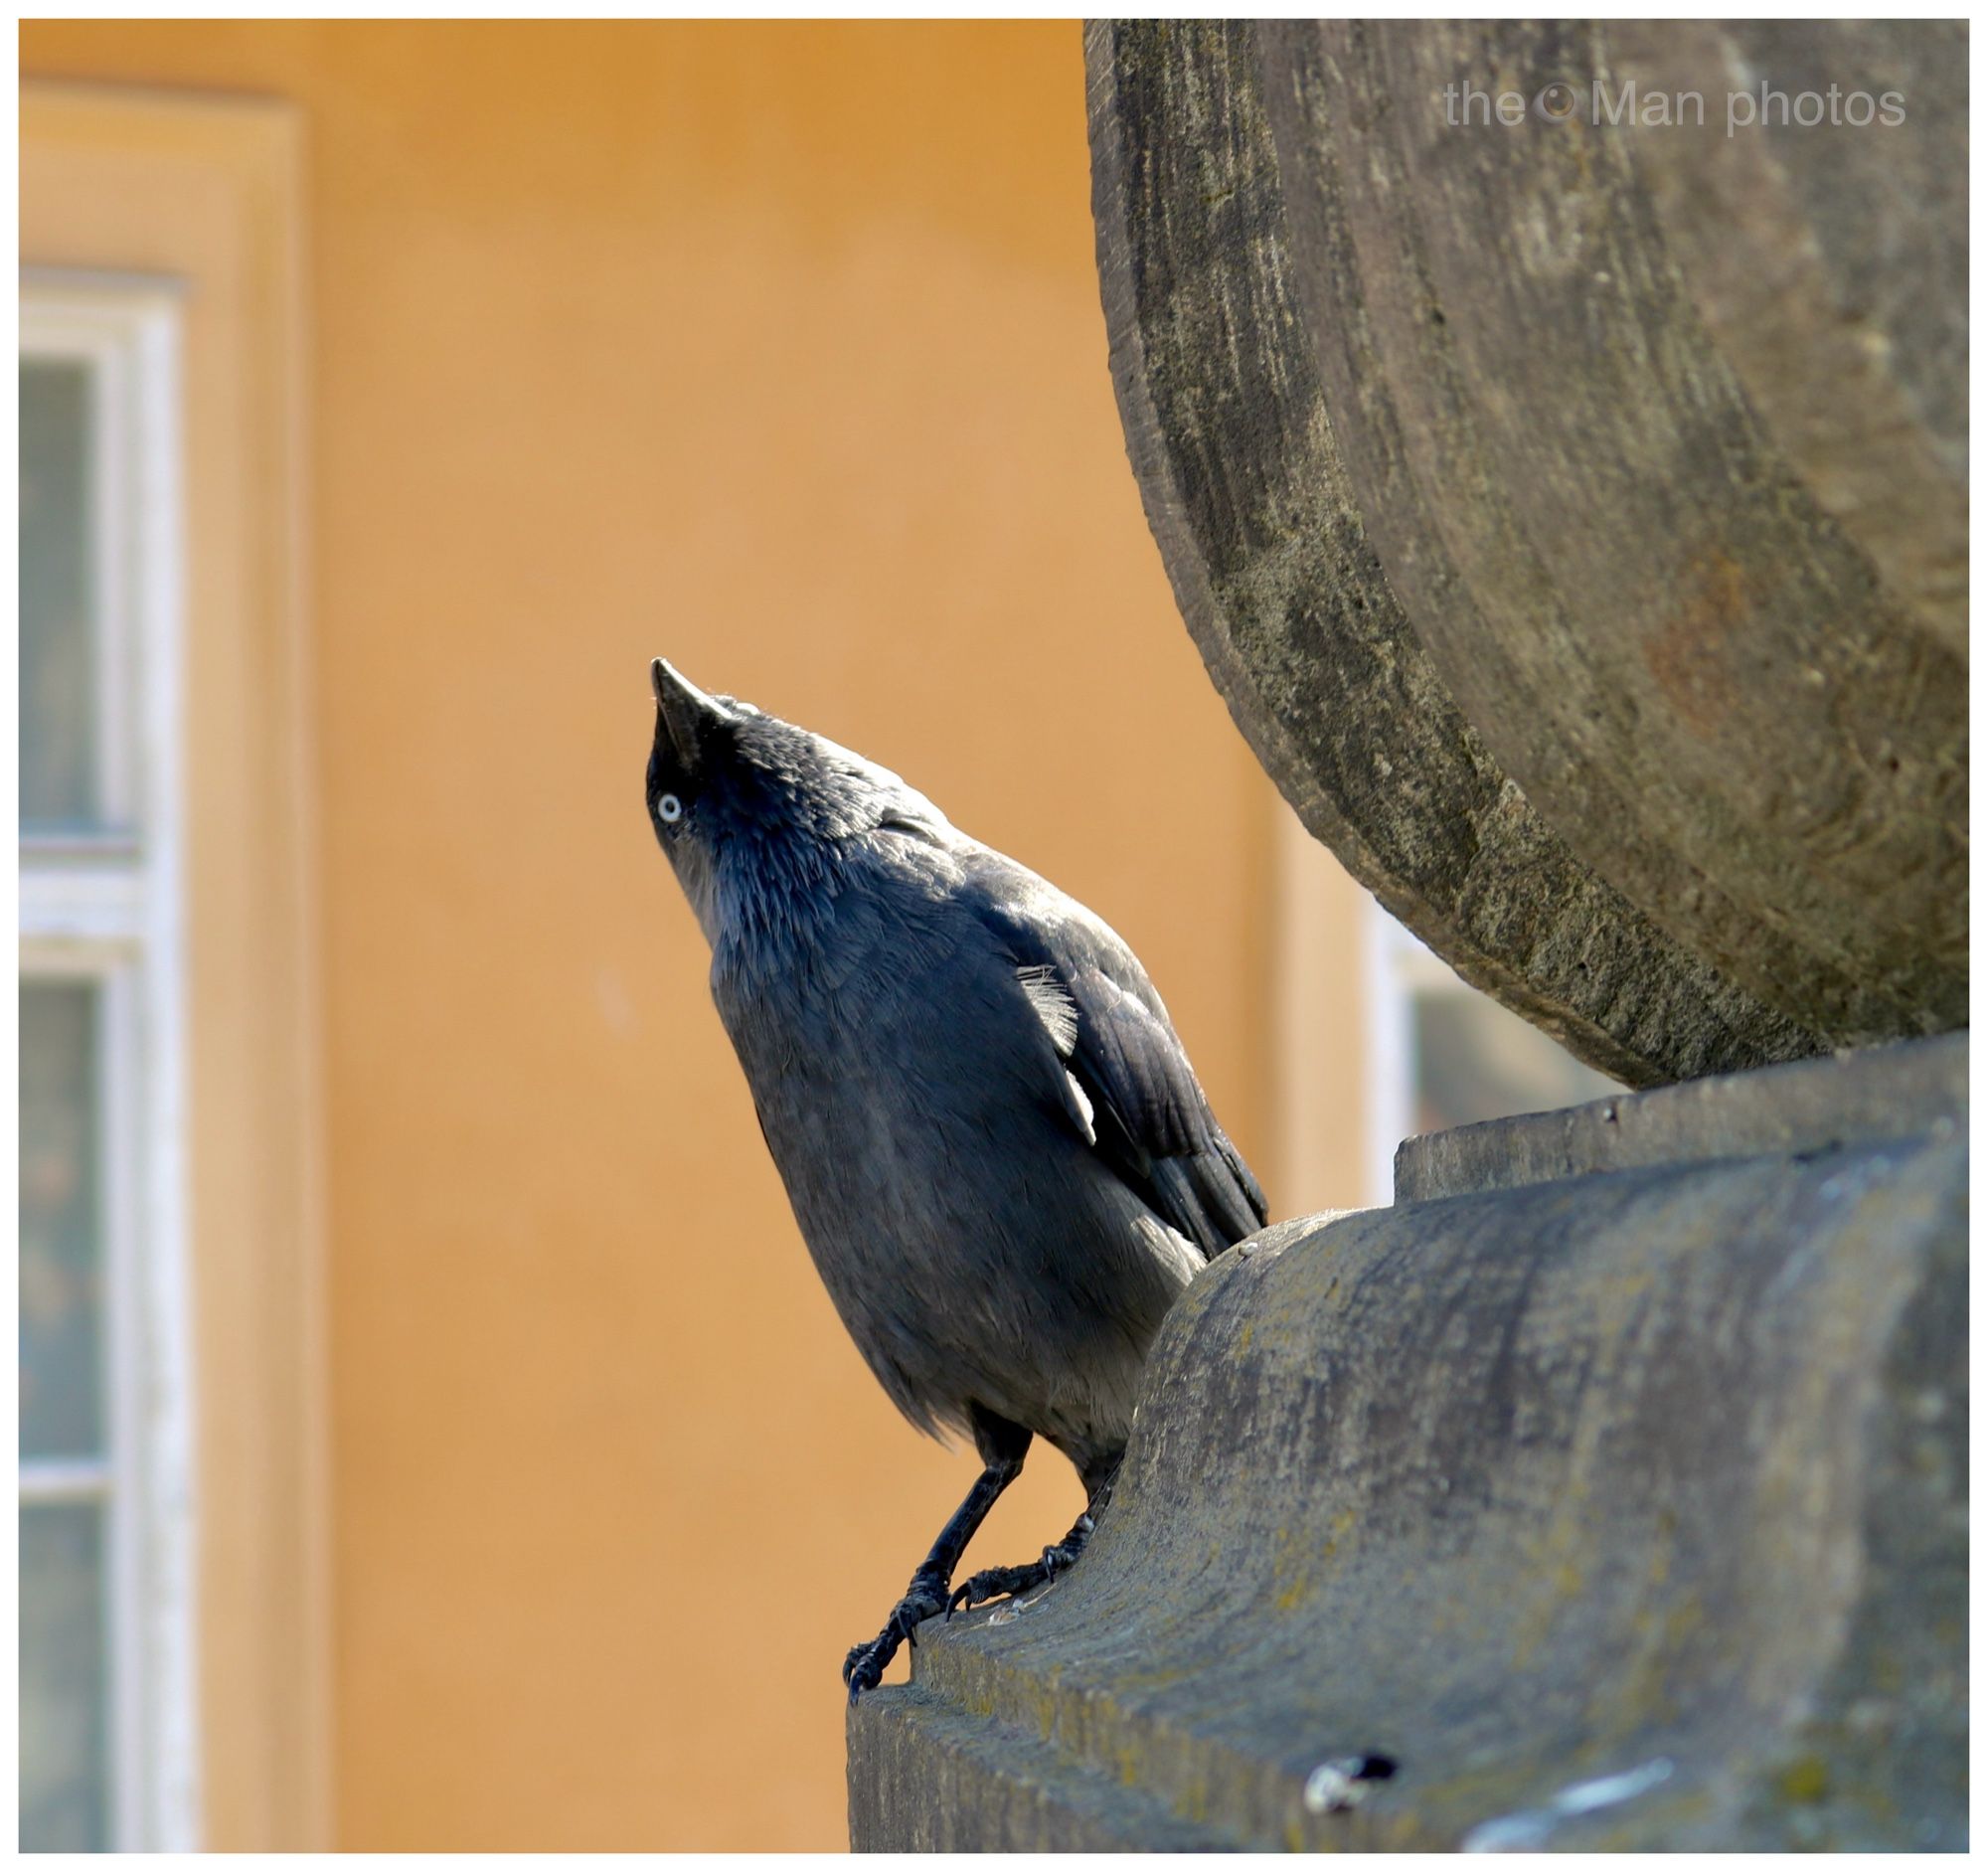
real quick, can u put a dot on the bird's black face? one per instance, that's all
(687, 761)
(752, 809)
(670, 790)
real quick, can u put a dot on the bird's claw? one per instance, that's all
(862, 1668)
(994, 1582)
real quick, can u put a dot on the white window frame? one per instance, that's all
(1396, 964)
(1400, 969)
(108, 907)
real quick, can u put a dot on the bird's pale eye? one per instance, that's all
(669, 809)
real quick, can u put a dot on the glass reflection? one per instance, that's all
(58, 786)
(61, 1241)
(64, 1738)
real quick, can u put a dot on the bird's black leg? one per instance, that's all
(1002, 1448)
(992, 1583)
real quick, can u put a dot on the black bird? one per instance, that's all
(1000, 1158)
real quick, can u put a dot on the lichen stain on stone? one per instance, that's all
(1804, 1780)
(1287, 1571)
(1645, 1697)
(1191, 1804)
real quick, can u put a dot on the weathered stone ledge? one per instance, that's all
(1918, 1088)
(1625, 1509)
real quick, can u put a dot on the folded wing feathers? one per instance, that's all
(1147, 1113)
(1137, 1102)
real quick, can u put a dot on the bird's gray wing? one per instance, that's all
(1151, 1120)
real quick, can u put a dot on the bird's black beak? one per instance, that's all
(684, 713)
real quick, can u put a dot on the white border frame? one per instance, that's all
(111, 908)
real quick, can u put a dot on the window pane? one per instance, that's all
(62, 1263)
(58, 597)
(1476, 1059)
(65, 1742)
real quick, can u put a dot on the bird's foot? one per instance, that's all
(993, 1583)
(863, 1669)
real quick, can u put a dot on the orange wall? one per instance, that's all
(775, 348)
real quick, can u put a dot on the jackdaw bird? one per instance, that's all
(999, 1156)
